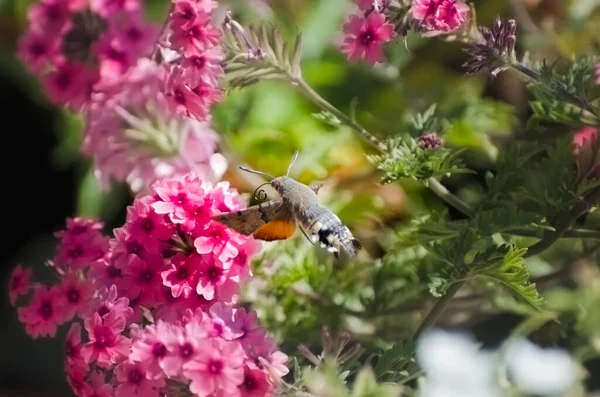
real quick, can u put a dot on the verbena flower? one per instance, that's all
(73, 45)
(365, 37)
(442, 16)
(134, 136)
(160, 315)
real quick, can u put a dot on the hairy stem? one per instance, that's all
(558, 88)
(438, 308)
(323, 104)
(563, 224)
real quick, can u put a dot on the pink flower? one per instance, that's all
(247, 323)
(43, 315)
(143, 279)
(48, 15)
(105, 273)
(440, 15)
(76, 379)
(217, 367)
(148, 347)
(107, 300)
(72, 346)
(134, 382)
(365, 37)
(144, 223)
(255, 384)
(262, 354)
(108, 8)
(19, 283)
(184, 200)
(35, 49)
(183, 275)
(584, 142)
(99, 387)
(184, 100)
(182, 347)
(106, 346)
(214, 280)
(240, 266)
(74, 294)
(71, 84)
(195, 37)
(221, 322)
(204, 66)
(216, 239)
(81, 243)
(184, 13)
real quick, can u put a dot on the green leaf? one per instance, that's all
(512, 274)
(399, 358)
(405, 159)
(366, 385)
(438, 285)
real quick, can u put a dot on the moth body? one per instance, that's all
(323, 225)
(298, 206)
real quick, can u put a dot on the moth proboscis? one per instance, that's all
(298, 206)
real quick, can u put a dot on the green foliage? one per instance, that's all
(512, 273)
(405, 159)
(396, 363)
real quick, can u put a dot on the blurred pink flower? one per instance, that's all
(365, 37)
(440, 15)
(19, 283)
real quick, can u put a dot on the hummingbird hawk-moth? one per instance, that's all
(298, 207)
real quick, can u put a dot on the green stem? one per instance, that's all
(559, 89)
(438, 308)
(571, 233)
(443, 193)
(323, 104)
(564, 224)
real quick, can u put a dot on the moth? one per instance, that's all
(298, 207)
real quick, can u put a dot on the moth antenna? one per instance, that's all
(292, 163)
(257, 172)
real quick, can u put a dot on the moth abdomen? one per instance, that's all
(329, 231)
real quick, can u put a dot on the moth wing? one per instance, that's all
(266, 221)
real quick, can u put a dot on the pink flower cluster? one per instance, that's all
(440, 16)
(195, 68)
(74, 44)
(367, 32)
(156, 301)
(133, 135)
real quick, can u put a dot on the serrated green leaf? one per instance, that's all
(513, 275)
(400, 357)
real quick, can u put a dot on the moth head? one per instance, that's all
(282, 184)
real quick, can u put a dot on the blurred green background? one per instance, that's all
(45, 179)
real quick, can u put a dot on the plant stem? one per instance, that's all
(559, 89)
(564, 224)
(450, 198)
(323, 104)
(437, 309)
